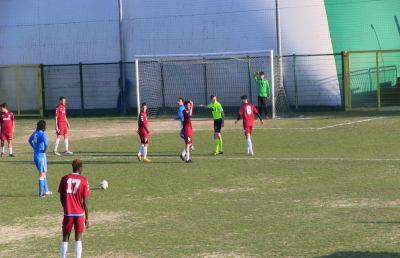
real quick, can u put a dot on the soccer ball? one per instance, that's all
(103, 184)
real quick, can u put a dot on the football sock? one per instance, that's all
(141, 149)
(249, 145)
(64, 249)
(3, 149)
(11, 150)
(46, 186)
(41, 185)
(221, 149)
(66, 144)
(144, 152)
(56, 144)
(216, 145)
(187, 156)
(78, 249)
(183, 152)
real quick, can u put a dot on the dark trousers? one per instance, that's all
(262, 106)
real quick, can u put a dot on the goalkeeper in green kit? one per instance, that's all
(218, 116)
(263, 92)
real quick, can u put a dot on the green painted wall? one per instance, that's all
(350, 29)
(350, 24)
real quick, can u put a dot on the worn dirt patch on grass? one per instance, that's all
(98, 129)
(233, 190)
(221, 255)
(358, 203)
(33, 226)
(116, 255)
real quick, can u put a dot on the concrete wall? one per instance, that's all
(65, 32)
(58, 32)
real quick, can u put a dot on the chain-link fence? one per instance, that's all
(314, 82)
(373, 79)
(90, 89)
(351, 80)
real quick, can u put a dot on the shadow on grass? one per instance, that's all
(18, 195)
(105, 154)
(378, 222)
(355, 254)
(68, 162)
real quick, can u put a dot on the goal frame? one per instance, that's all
(160, 57)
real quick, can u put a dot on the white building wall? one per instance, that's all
(182, 26)
(73, 31)
(58, 32)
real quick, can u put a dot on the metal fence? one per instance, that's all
(373, 79)
(313, 82)
(90, 88)
(348, 80)
(21, 88)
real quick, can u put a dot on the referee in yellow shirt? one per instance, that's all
(218, 116)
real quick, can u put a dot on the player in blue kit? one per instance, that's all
(38, 141)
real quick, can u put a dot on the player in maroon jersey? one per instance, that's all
(247, 112)
(7, 121)
(144, 133)
(74, 194)
(62, 126)
(187, 131)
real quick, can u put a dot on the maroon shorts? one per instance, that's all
(248, 129)
(62, 129)
(188, 138)
(6, 136)
(77, 222)
(144, 137)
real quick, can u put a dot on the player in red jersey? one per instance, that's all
(7, 121)
(144, 133)
(74, 194)
(62, 126)
(247, 112)
(187, 131)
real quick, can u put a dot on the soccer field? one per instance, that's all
(323, 186)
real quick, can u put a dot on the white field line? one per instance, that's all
(350, 123)
(133, 158)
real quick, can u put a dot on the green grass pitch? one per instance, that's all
(327, 186)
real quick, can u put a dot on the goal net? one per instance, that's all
(162, 79)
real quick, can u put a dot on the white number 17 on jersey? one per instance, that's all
(75, 182)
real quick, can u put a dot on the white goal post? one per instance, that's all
(162, 79)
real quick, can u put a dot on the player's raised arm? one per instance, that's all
(204, 106)
(191, 108)
(256, 76)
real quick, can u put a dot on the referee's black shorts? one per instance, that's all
(217, 125)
